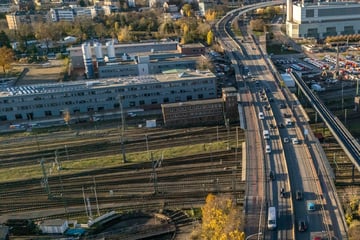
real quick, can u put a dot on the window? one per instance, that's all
(200, 96)
(48, 113)
(3, 118)
(166, 100)
(18, 116)
(309, 13)
(141, 102)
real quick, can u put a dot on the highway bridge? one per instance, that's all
(348, 143)
(296, 166)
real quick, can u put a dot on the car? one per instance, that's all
(282, 106)
(302, 225)
(287, 115)
(310, 206)
(267, 149)
(295, 141)
(271, 100)
(272, 175)
(282, 192)
(272, 126)
(286, 140)
(281, 125)
(267, 107)
(298, 194)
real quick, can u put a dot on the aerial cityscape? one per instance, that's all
(160, 119)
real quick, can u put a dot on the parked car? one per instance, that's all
(298, 195)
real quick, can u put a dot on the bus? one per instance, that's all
(271, 223)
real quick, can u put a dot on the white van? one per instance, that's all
(261, 115)
(267, 149)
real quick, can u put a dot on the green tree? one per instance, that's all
(6, 58)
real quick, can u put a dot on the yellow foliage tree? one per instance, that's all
(187, 9)
(6, 58)
(220, 219)
(209, 38)
(124, 35)
(210, 15)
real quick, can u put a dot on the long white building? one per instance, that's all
(322, 19)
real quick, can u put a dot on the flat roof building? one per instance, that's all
(44, 101)
(202, 112)
(322, 19)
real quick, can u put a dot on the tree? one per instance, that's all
(4, 40)
(210, 37)
(6, 58)
(220, 219)
(124, 35)
(187, 9)
(257, 25)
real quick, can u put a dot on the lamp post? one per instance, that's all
(253, 235)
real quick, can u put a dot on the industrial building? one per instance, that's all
(321, 19)
(202, 112)
(54, 226)
(44, 101)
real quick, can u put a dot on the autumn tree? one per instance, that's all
(257, 25)
(124, 35)
(220, 219)
(187, 9)
(210, 38)
(6, 58)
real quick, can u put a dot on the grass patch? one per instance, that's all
(70, 167)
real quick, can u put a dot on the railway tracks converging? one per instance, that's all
(181, 181)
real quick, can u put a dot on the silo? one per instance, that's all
(98, 52)
(89, 68)
(111, 51)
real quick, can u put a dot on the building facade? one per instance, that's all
(202, 112)
(20, 18)
(322, 19)
(43, 101)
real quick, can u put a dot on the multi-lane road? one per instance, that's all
(297, 166)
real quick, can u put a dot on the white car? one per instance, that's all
(267, 149)
(286, 140)
(295, 141)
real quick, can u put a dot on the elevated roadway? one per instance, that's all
(296, 166)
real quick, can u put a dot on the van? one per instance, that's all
(261, 115)
(268, 149)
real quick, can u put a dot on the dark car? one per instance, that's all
(271, 99)
(302, 226)
(287, 115)
(281, 125)
(272, 126)
(282, 106)
(271, 175)
(298, 195)
(282, 192)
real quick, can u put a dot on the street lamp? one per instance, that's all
(253, 235)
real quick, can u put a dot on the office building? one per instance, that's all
(322, 19)
(85, 97)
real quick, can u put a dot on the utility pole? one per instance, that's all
(45, 179)
(122, 130)
(154, 174)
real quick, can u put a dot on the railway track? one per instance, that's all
(129, 186)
